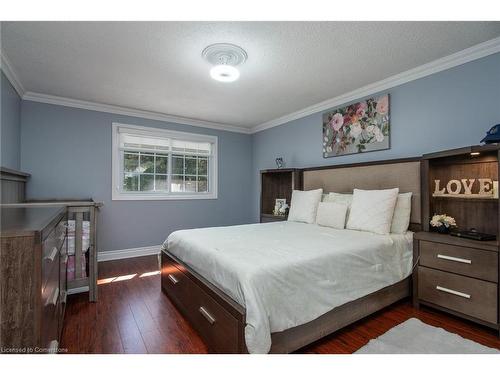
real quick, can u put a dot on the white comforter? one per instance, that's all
(287, 273)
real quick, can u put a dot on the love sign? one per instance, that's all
(485, 188)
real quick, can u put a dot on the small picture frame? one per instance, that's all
(280, 207)
(280, 162)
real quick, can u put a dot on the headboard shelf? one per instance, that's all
(463, 183)
(463, 151)
(277, 184)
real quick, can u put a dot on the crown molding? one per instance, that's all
(470, 54)
(11, 74)
(108, 108)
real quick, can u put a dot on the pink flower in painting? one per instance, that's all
(337, 121)
(383, 105)
(360, 112)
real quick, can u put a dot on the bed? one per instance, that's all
(276, 287)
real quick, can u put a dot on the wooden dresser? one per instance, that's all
(33, 260)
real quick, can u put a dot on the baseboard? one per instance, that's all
(104, 256)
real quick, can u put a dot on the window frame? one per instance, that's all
(117, 168)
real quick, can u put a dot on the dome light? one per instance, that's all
(224, 73)
(224, 57)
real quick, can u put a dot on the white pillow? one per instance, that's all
(304, 205)
(372, 210)
(402, 212)
(342, 198)
(331, 214)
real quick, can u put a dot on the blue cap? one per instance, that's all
(493, 135)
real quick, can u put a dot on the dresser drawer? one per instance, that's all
(50, 309)
(466, 261)
(214, 324)
(50, 267)
(52, 248)
(469, 296)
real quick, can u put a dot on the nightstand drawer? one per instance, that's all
(469, 296)
(466, 261)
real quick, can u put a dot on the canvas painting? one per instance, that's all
(356, 128)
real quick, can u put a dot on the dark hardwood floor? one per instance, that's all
(134, 316)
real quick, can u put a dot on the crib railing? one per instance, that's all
(82, 246)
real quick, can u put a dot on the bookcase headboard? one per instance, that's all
(401, 173)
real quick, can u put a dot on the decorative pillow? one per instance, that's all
(372, 210)
(402, 212)
(342, 198)
(331, 214)
(304, 205)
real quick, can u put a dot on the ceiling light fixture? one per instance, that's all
(225, 57)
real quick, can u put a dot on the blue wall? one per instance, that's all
(68, 153)
(449, 109)
(10, 124)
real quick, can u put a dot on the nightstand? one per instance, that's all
(457, 275)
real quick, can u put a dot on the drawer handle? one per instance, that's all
(173, 279)
(454, 259)
(53, 346)
(53, 299)
(203, 311)
(64, 297)
(52, 255)
(451, 291)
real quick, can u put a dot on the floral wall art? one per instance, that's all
(359, 127)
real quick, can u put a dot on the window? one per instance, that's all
(153, 163)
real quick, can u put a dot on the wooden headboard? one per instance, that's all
(401, 173)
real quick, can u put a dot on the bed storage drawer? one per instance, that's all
(465, 261)
(216, 326)
(465, 295)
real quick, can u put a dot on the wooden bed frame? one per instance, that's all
(220, 320)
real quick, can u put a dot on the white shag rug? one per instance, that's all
(415, 337)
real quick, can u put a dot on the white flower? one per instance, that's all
(356, 130)
(379, 136)
(440, 220)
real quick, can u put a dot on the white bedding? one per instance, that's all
(288, 273)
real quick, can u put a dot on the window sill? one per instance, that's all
(160, 197)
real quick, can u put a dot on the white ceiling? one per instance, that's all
(157, 66)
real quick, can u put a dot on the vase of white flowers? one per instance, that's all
(443, 223)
